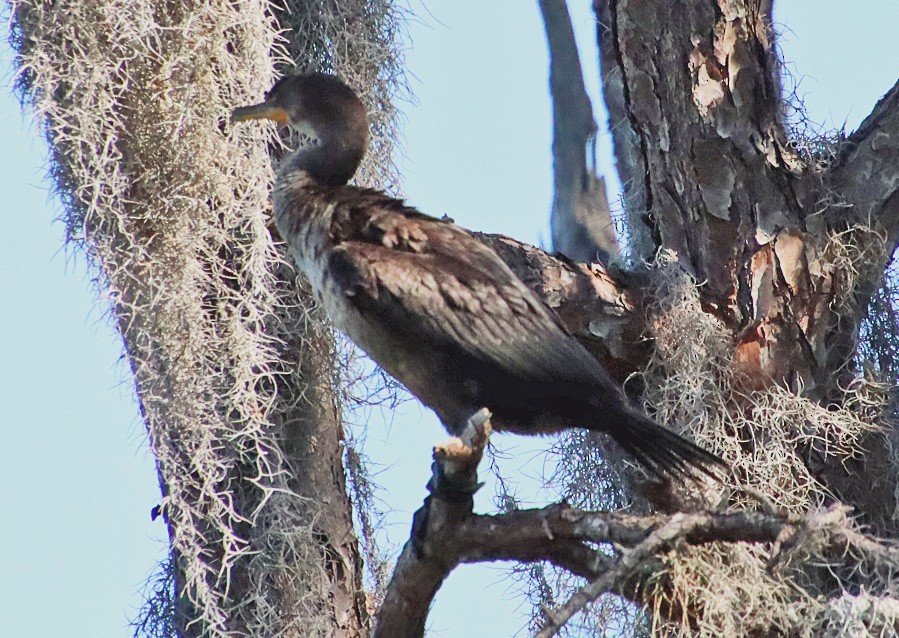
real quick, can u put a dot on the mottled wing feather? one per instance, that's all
(432, 280)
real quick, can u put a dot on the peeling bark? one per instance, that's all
(700, 142)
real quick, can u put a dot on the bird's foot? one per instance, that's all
(455, 469)
(454, 476)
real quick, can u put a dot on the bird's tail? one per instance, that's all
(662, 452)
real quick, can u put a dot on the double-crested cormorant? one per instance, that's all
(431, 304)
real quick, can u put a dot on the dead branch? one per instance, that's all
(679, 526)
(581, 222)
(418, 575)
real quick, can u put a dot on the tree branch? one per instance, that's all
(789, 531)
(694, 528)
(866, 172)
(581, 222)
(445, 533)
(602, 307)
(558, 534)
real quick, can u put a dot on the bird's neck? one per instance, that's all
(300, 170)
(302, 210)
(308, 181)
(331, 162)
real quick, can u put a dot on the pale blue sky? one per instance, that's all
(77, 483)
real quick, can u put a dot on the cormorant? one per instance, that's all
(431, 304)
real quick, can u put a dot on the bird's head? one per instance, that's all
(326, 111)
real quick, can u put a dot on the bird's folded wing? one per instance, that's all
(433, 281)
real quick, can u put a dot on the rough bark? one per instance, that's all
(711, 178)
(312, 443)
(234, 367)
(698, 136)
(865, 173)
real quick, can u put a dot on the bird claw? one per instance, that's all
(478, 425)
(455, 467)
(454, 472)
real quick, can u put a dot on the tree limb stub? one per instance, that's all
(422, 566)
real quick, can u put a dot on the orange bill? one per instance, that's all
(264, 111)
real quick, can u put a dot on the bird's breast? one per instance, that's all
(304, 224)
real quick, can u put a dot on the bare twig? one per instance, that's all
(626, 563)
(690, 527)
(419, 570)
(830, 530)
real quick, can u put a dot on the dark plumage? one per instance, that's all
(431, 304)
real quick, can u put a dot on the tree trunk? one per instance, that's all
(770, 256)
(233, 365)
(785, 262)
(744, 330)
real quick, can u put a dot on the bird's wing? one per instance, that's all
(430, 279)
